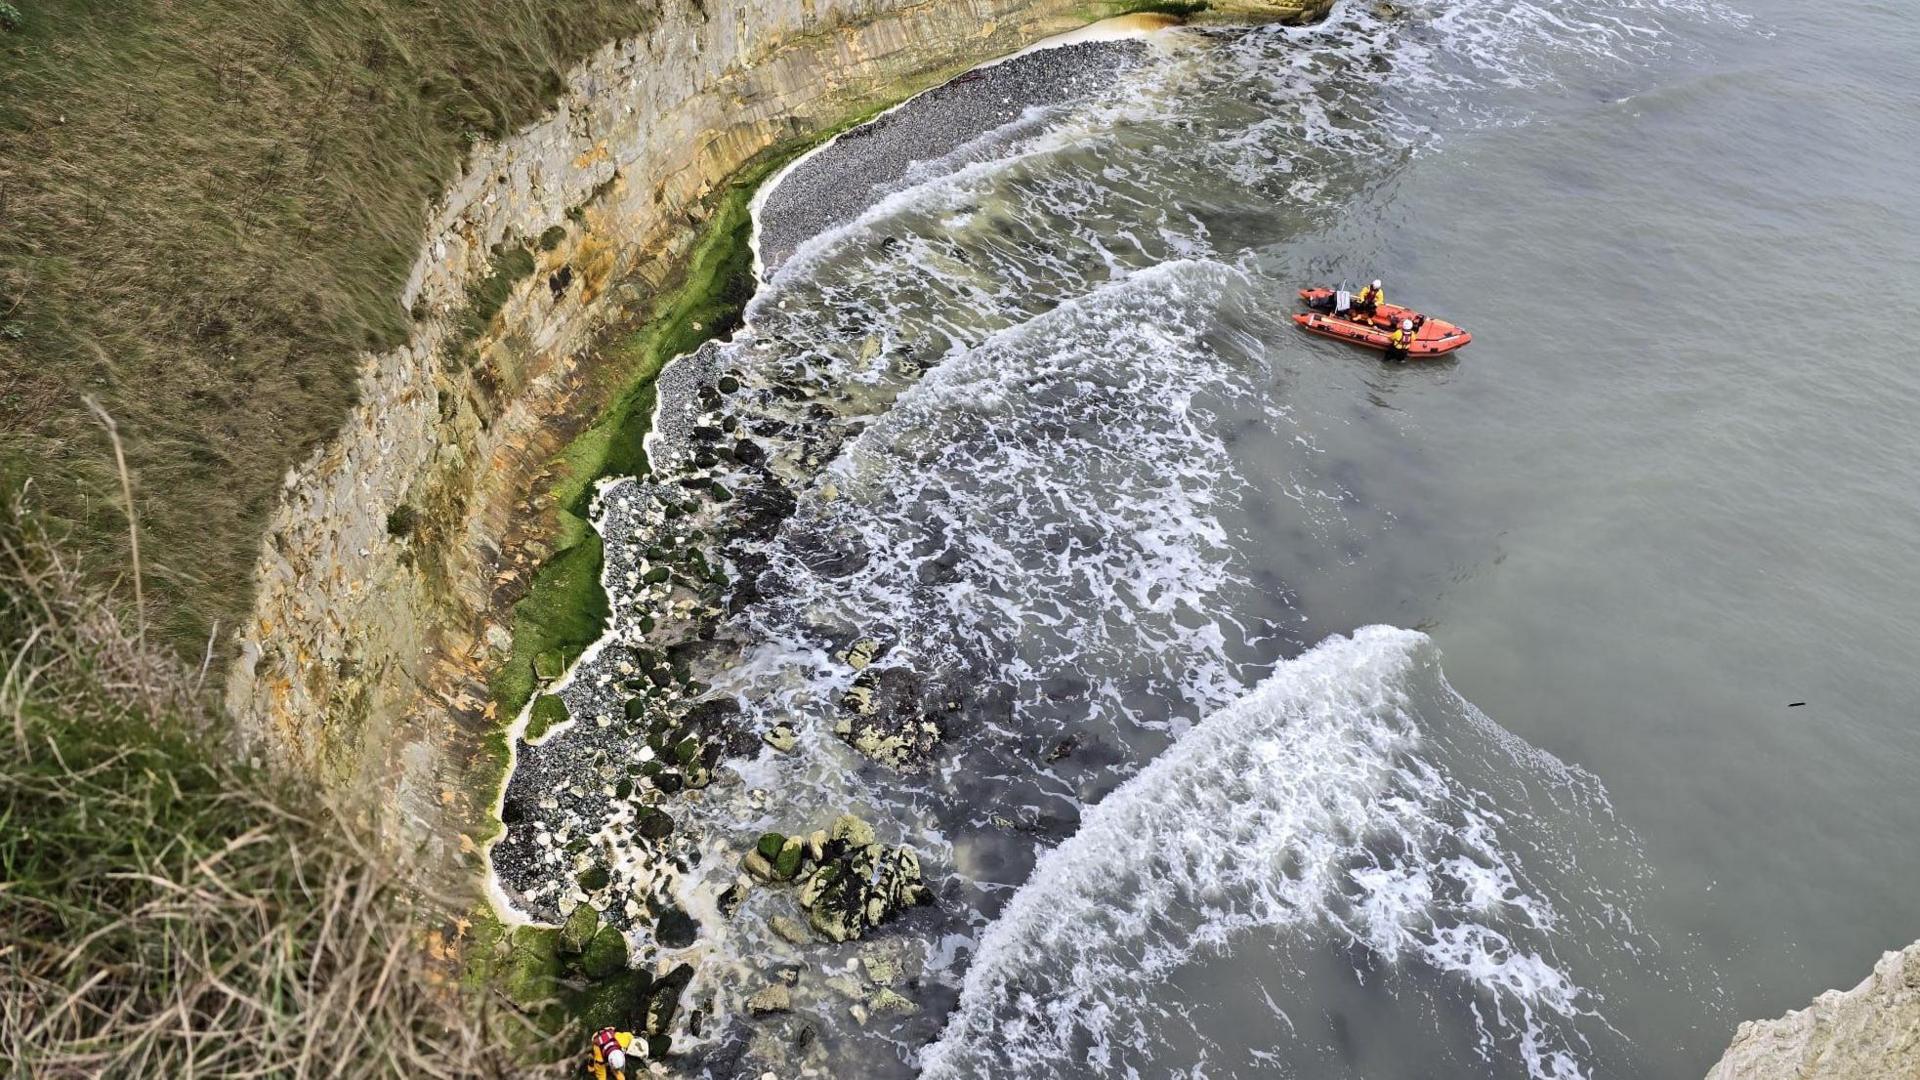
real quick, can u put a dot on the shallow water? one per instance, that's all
(1123, 521)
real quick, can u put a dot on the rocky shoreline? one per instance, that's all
(620, 810)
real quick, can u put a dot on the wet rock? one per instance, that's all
(885, 715)
(790, 929)
(676, 929)
(771, 999)
(1063, 748)
(781, 738)
(664, 1004)
(851, 829)
(861, 889)
(757, 864)
(881, 970)
(653, 823)
(891, 1003)
(861, 653)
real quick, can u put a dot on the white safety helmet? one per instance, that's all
(616, 1059)
(1376, 283)
(1406, 324)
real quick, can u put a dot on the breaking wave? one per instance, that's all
(1351, 800)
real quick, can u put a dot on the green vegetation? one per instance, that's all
(1179, 8)
(168, 910)
(576, 976)
(565, 609)
(207, 211)
(549, 712)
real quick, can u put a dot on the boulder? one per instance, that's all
(880, 969)
(772, 998)
(579, 929)
(757, 865)
(890, 1003)
(852, 829)
(675, 929)
(653, 823)
(787, 863)
(893, 716)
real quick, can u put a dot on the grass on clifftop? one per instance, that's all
(207, 211)
(167, 911)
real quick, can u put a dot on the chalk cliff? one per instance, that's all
(1871, 1032)
(386, 570)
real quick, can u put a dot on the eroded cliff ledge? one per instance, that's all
(1871, 1032)
(387, 570)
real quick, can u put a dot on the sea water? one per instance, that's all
(1309, 716)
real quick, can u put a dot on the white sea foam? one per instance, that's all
(1030, 330)
(1063, 479)
(1324, 802)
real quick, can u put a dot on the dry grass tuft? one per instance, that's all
(207, 211)
(168, 911)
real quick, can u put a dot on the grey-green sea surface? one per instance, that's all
(1309, 716)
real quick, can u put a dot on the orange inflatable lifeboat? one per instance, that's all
(1433, 338)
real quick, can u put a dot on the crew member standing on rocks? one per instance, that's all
(607, 1059)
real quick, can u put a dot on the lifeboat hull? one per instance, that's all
(1436, 337)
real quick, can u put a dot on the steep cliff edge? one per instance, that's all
(387, 571)
(1871, 1032)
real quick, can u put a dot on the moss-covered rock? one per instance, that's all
(605, 955)
(548, 713)
(786, 865)
(578, 930)
(687, 750)
(531, 969)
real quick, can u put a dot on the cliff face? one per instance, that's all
(1871, 1032)
(387, 566)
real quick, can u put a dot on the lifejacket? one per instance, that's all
(1370, 297)
(1400, 340)
(606, 1041)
